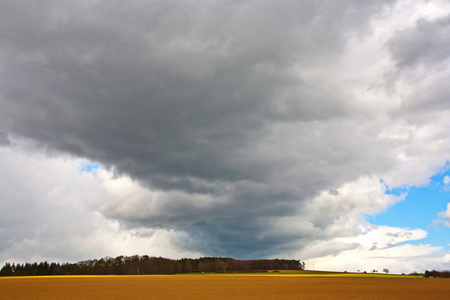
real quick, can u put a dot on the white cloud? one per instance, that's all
(51, 211)
(446, 214)
(446, 180)
(376, 248)
(444, 217)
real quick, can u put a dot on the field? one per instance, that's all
(224, 286)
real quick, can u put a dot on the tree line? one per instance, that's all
(140, 265)
(437, 274)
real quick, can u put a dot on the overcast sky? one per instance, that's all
(314, 130)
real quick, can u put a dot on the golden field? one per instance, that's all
(224, 286)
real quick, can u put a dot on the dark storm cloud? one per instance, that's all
(164, 90)
(217, 106)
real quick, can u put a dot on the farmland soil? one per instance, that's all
(221, 287)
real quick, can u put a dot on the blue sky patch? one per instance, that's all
(420, 209)
(89, 167)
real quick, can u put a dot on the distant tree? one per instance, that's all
(42, 269)
(187, 266)
(200, 267)
(386, 270)
(177, 267)
(437, 274)
(133, 265)
(7, 270)
(55, 269)
(220, 266)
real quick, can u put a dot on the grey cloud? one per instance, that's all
(4, 140)
(154, 93)
(426, 43)
(422, 53)
(194, 100)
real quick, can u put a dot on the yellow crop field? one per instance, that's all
(217, 286)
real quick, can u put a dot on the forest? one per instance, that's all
(140, 265)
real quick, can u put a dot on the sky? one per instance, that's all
(311, 130)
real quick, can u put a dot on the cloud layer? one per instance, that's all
(248, 128)
(45, 218)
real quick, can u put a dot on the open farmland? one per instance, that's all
(224, 286)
